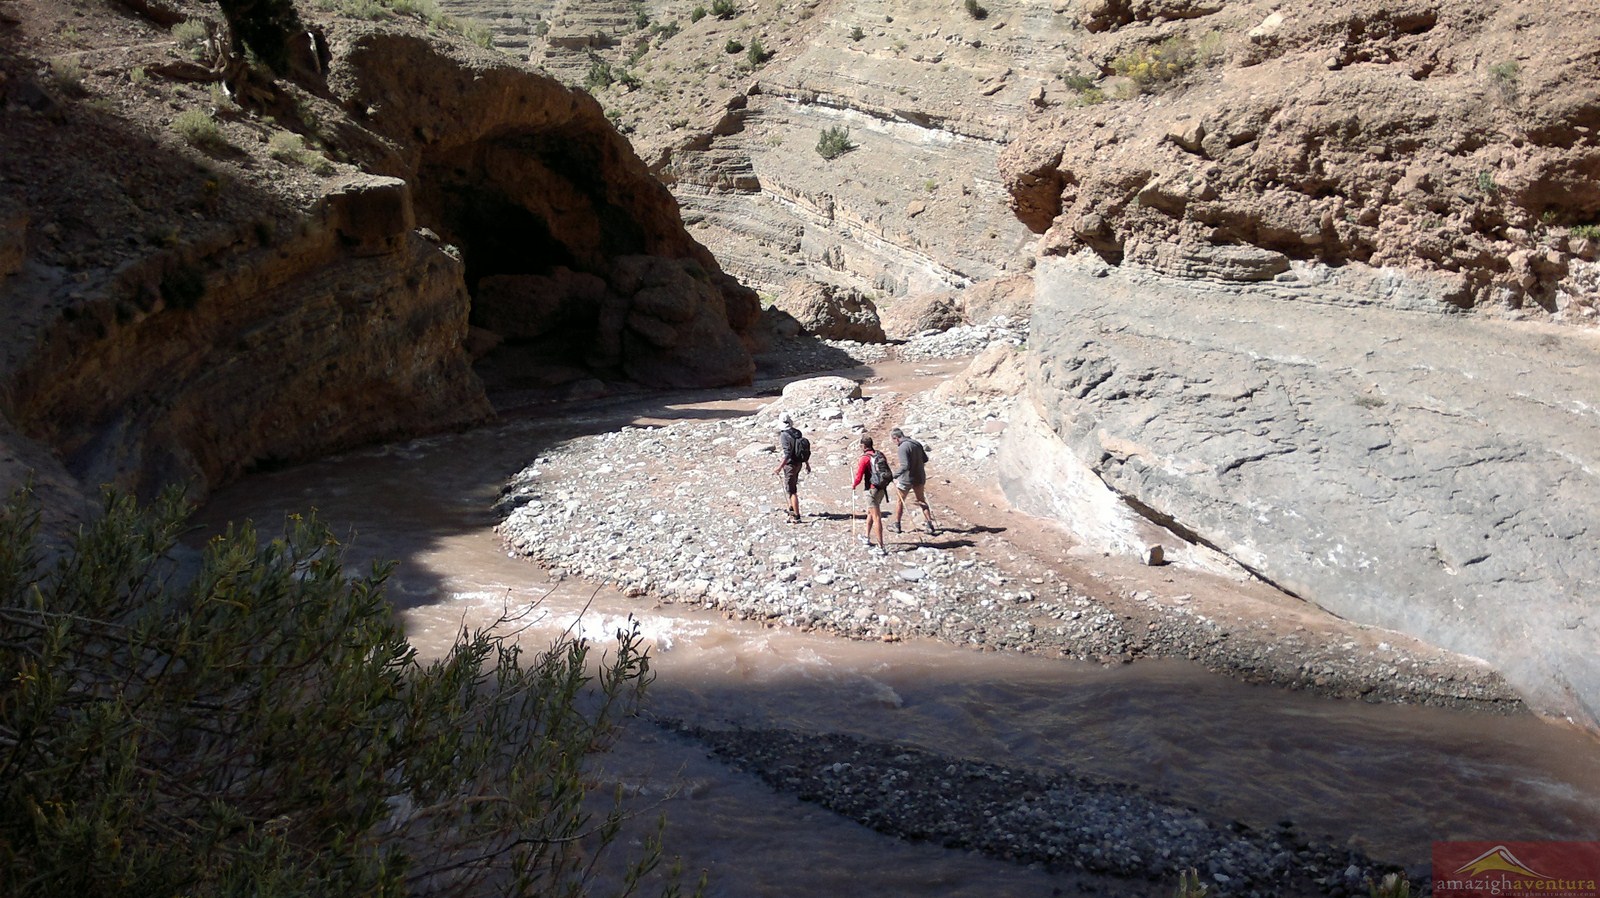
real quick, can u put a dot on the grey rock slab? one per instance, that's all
(1427, 472)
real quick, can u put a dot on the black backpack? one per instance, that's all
(796, 448)
(881, 474)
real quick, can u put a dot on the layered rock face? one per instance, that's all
(185, 312)
(928, 94)
(1334, 435)
(1454, 137)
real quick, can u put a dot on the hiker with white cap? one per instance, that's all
(794, 450)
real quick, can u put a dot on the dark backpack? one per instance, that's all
(881, 474)
(796, 448)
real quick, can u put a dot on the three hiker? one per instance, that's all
(794, 450)
(911, 479)
(874, 474)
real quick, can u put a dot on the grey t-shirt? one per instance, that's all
(912, 459)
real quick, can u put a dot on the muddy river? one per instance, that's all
(1387, 779)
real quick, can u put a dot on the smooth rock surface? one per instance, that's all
(1430, 473)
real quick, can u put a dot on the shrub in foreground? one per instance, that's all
(255, 723)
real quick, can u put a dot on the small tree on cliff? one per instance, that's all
(265, 27)
(257, 724)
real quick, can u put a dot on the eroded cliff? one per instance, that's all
(203, 279)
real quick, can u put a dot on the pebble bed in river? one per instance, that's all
(1060, 821)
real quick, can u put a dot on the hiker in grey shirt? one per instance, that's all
(911, 479)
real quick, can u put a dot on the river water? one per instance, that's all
(1387, 779)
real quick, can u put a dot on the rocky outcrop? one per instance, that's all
(184, 312)
(1401, 468)
(832, 313)
(1225, 140)
(544, 200)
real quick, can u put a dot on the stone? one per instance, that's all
(830, 312)
(913, 315)
(370, 213)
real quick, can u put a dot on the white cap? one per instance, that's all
(784, 421)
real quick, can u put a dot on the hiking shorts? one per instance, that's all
(876, 495)
(791, 479)
(908, 490)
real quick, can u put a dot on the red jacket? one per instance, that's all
(863, 470)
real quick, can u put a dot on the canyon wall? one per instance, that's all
(308, 271)
(1399, 465)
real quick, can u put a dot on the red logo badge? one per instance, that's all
(1516, 869)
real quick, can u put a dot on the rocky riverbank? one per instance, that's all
(691, 512)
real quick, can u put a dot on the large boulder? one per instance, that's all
(832, 313)
(1425, 472)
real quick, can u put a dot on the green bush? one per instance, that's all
(1151, 66)
(254, 722)
(68, 77)
(191, 35)
(834, 142)
(1504, 81)
(599, 75)
(724, 9)
(757, 54)
(856, 33)
(1587, 231)
(734, 45)
(698, 13)
(199, 130)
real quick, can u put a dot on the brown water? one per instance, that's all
(1387, 779)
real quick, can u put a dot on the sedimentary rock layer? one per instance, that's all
(1427, 472)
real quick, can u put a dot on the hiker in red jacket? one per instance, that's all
(874, 475)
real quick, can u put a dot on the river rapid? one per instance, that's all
(1388, 780)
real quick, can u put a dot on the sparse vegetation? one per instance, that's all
(1487, 185)
(1148, 67)
(856, 33)
(756, 54)
(199, 130)
(976, 10)
(834, 142)
(68, 77)
(191, 35)
(1189, 885)
(541, 28)
(641, 17)
(599, 76)
(1587, 231)
(262, 726)
(724, 9)
(1210, 47)
(1505, 81)
(289, 147)
(697, 14)
(734, 45)
(478, 33)
(1392, 885)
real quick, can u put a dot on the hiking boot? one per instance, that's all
(866, 541)
(932, 530)
(897, 527)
